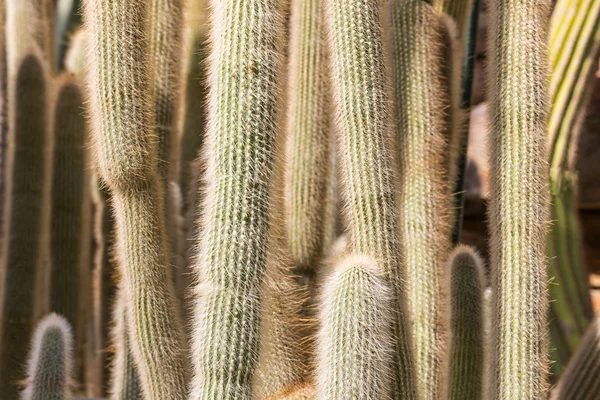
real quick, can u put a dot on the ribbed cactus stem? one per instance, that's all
(581, 379)
(361, 101)
(519, 203)
(466, 284)
(126, 149)
(354, 343)
(421, 45)
(51, 361)
(23, 255)
(308, 143)
(239, 154)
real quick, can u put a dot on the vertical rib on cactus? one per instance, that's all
(466, 284)
(126, 149)
(363, 129)
(519, 204)
(124, 378)
(51, 361)
(239, 153)
(354, 343)
(71, 212)
(581, 379)
(308, 142)
(420, 59)
(22, 254)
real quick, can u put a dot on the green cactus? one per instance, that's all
(354, 342)
(23, 253)
(361, 101)
(127, 157)
(581, 379)
(421, 67)
(519, 203)
(466, 353)
(124, 378)
(51, 361)
(239, 153)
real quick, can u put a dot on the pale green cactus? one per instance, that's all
(364, 121)
(520, 198)
(126, 149)
(466, 353)
(422, 70)
(354, 343)
(239, 153)
(50, 365)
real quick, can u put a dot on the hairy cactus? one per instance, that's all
(354, 342)
(361, 103)
(581, 379)
(466, 284)
(239, 153)
(519, 204)
(22, 256)
(51, 361)
(127, 158)
(421, 44)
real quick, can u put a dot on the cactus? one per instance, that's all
(24, 32)
(581, 379)
(466, 284)
(361, 102)
(51, 362)
(22, 256)
(124, 378)
(420, 47)
(520, 198)
(354, 342)
(239, 152)
(127, 153)
(301, 392)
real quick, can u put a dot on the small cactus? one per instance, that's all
(519, 203)
(466, 353)
(51, 361)
(354, 342)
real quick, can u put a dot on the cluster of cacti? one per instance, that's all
(169, 185)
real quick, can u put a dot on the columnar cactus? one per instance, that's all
(24, 31)
(22, 257)
(361, 103)
(581, 379)
(466, 284)
(421, 45)
(51, 361)
(239, 153)
(127, 156)
(354, 343)
(519, 204)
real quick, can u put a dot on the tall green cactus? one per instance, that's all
(466, 353)
(22, 257)
(361, 101)
(354, 342)
(421, 45)
(519, 204)
(581, 379)
(239, 153)
(127, 157)
(71, 210)
(51, 361)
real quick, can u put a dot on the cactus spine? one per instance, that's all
(354, 342)
(239, 152)
(581, 379)
(51, 361)
(466, 283)
(126, 149)
(22, 256)
(361, 101)
(420, 49)
(519, 204)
